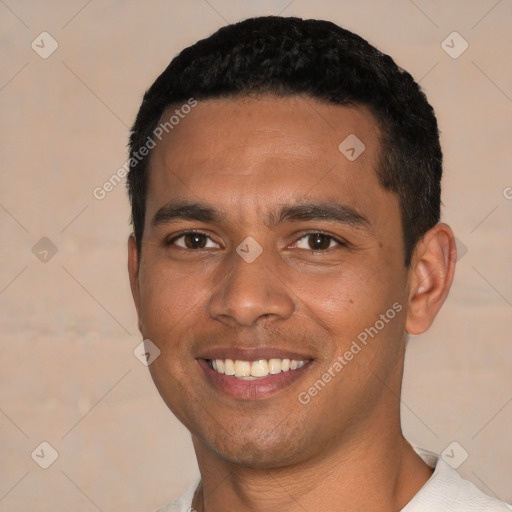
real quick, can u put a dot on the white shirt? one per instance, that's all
(445, 491)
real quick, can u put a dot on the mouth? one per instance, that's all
(254, 379)
(254, 370)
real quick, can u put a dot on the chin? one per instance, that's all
(263, 450)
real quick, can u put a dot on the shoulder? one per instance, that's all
(447, 491)
(183, 504)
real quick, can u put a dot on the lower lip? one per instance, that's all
(251, 389)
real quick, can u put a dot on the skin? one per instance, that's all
(344, 450)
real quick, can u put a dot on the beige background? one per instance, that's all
(68, 329)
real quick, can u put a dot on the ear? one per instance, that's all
(431, 276)
(133, 272)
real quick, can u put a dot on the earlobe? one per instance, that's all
(431, 275)
(133, 272)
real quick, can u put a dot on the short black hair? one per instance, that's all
(286, 56)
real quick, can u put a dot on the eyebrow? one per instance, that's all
(186, 211)
(330, 211)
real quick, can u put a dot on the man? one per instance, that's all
(285, 190)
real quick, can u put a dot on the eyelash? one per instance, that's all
(341, 243)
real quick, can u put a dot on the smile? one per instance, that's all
(253, 370)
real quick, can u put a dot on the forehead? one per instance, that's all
(247, 152)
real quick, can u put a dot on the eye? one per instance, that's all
(317, 242)
(193, 240)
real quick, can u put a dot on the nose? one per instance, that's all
(251, 291)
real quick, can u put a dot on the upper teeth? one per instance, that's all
(254, 369)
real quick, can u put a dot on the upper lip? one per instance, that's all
(252, 353)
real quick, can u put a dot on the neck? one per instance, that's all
(377, 470)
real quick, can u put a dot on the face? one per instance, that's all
(265, 243)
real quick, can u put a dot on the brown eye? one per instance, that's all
(193, 240)
(317, 242)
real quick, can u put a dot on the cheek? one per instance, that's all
(168, 296)
(352, 298)
(343, 296)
